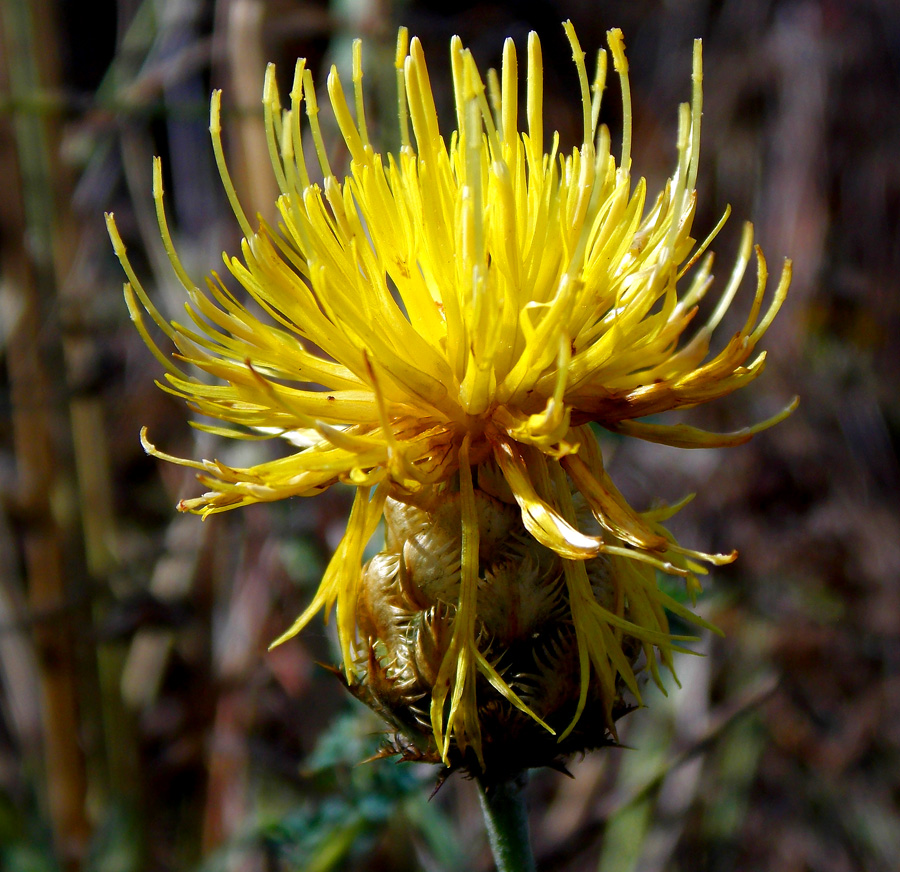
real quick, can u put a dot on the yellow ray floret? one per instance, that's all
(472, 302)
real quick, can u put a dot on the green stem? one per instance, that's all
(506, 819)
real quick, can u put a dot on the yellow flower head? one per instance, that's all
(440, 329)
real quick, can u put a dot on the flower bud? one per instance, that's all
(523, 627)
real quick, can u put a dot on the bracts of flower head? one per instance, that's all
(446, 329)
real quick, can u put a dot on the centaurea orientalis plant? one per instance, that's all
(444, 329)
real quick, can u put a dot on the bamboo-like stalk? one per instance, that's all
(37, 467)
(27, 270)
(246, 64)
(42, 356)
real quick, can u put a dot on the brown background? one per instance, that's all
(142, 724)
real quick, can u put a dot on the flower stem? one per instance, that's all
(506, 819)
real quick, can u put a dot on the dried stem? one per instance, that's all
(26, 214)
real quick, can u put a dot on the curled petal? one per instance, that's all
(540, 518)
(609, 506)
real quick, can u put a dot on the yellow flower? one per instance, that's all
(441, 328)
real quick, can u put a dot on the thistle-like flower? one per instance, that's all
(443, 329)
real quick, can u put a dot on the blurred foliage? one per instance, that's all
(364, 807)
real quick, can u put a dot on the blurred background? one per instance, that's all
(143, 726)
